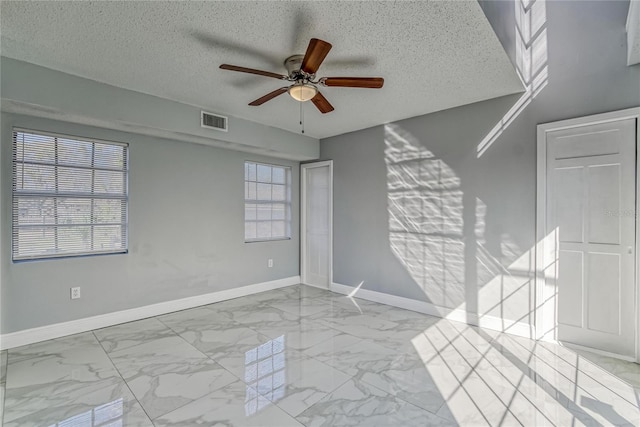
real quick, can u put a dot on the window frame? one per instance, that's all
(124, 198)
(288, 217)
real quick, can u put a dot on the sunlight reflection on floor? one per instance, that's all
(493, 377)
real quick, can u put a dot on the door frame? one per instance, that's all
(303, 218)
(545, 309)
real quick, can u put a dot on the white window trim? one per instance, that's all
(125, 197)
(288, 213)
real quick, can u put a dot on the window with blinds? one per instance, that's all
(69, 196)
(267, 202)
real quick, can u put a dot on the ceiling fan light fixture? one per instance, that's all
(303, 91)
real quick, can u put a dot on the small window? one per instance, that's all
(267, 202)
(69, 196)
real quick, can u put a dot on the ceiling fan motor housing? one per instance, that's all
(293, 65)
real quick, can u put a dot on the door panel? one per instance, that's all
(587, 143)
(570, 209)
(316, 264)
(570, 269)
(604, 192)
(591, 174)
(603, 290)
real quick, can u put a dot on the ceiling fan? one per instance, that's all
(301, 71)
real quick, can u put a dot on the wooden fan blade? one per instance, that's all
(253, 71)
(269, 96)
(316, 52)
(366, 82)
(322, 104)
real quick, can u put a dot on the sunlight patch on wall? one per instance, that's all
(425, 217)
(449, 262)
(549, 269)
(506, 282)
(531, 63)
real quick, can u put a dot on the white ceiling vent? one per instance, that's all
(213, 121)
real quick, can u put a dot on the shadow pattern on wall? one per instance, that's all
(437, 232)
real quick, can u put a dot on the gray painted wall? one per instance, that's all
(501, 16)
(186, 234)
(419, 215)
(33, 90)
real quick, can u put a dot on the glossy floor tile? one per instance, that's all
(301, 356)
(234, 405)
(3, 366)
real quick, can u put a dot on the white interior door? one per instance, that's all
(317, 223)
(590, 206)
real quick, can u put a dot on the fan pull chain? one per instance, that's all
(302, 116)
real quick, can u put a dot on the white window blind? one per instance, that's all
(69, 196)
(267, 202)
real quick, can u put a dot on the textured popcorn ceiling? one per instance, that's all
(433, 54)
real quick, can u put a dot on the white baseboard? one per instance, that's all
(57, 330)
(315, 286)
(459, 315)
(596, 351)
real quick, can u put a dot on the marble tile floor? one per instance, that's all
(300, 356)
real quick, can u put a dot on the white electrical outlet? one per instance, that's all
(75, 293)
(270, 263)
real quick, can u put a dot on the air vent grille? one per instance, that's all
(213, 121)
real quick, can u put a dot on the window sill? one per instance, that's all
(67, 256)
